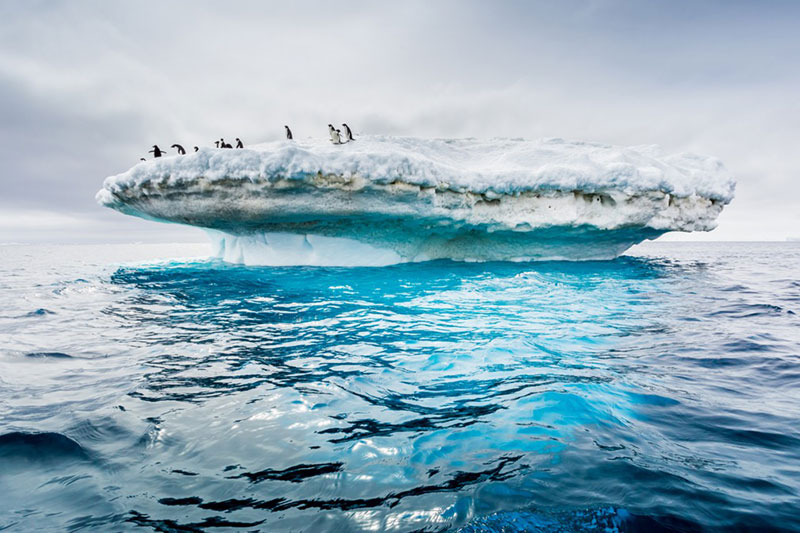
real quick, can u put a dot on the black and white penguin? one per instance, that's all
(288, 133)
(180, 149)
(348, 134)
(332, 131)
(196, 148)
(338, 137)
(156, 151)
(239, 143)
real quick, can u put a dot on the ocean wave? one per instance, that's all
(40, 447)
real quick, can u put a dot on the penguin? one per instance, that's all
(196, 148)
(156, 151)
(348, 134)
(239, 143)
(223, 144)
(142, 159)
(216, 143)
(288, 133)
(180, 149)
(332, 132)
(338, 137)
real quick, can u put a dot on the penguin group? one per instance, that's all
(335, 134)
(222, 144)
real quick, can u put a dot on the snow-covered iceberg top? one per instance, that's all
(500, 166)
(427, 198)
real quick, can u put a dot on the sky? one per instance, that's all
(86, 87)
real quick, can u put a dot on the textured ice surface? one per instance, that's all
(382, 200)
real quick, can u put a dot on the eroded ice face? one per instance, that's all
(383, 199)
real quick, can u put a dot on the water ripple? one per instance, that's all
(651, 393)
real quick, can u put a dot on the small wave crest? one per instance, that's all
(40, 447)
(39, 312)
(48, 355)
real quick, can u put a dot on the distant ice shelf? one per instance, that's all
(383, 200)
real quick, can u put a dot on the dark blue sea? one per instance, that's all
(144, 388)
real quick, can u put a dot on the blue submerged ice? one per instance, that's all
(655, 392)
(385, 200)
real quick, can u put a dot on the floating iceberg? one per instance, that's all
(383, 200)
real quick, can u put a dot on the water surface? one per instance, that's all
(659, 391)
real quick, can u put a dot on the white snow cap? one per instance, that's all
(500, 166)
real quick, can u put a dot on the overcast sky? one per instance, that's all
(86, 87)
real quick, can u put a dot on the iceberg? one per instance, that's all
(382, 200)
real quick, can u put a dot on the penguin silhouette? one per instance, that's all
(156, 151)
(288, 133)
(239, 143)
(196, 148)
(180, 149)
(223, 144)
(216, 143)
(348, 134)
(142, 159)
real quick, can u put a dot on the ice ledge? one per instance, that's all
(393, 200)
(496, 166)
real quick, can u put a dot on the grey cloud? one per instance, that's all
(87, 86)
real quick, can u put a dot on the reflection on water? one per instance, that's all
(646, 393)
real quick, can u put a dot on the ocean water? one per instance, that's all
(656, 392)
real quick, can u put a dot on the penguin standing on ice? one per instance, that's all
(156, 151)
(180, 149)
(335, 138)
(223, 144)
(239, 143)
(216, 143)
(288, 133)
(347, 133)
(196, 148)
